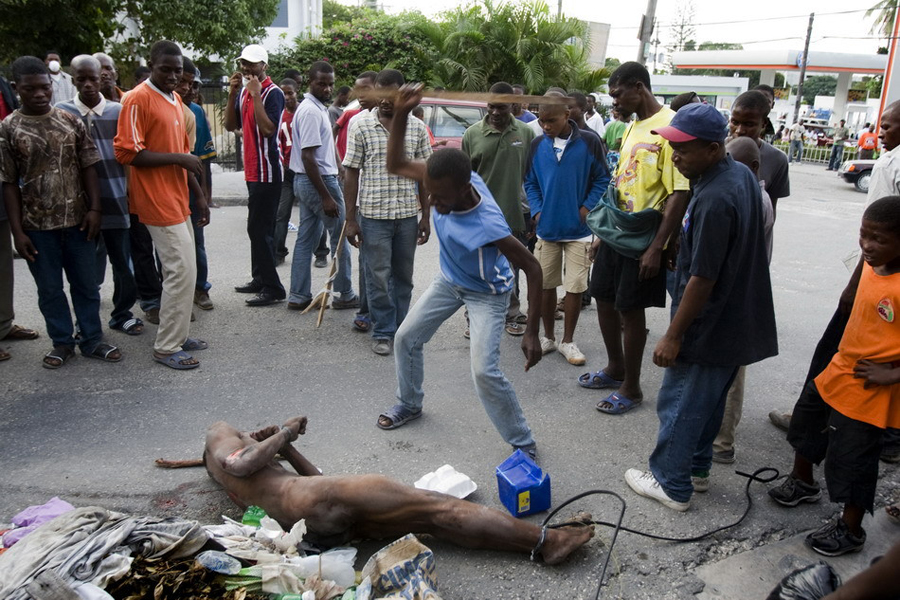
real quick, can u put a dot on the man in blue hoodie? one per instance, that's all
(567, 177)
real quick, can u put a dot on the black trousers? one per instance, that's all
(262, 207)
(143, 258)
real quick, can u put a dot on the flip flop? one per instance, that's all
(621, 404)
(176, 361)
(63, 354)
(193, 344)
(398, 415)
(17, 332)
(362, 323)
(132, 326)
(598, 380)
(102, 351)
(893, 513)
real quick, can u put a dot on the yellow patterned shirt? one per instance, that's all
(646, 175)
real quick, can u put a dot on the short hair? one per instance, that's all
(99, 55)
(288, 81)
(450, 162)
(371, 75)
(344, 89)
(743, 149)
(52, 51)
(163, 48)
(580, 100)
(556, 89)
(763, 88)
(189, 66)
(82, 59)
(885, 211)
(630, 73)
(141, 70)
(519, 87)
(28, 65)
(753, 100)
(390, 77)
(320, 66)
(293, 74)
(554, 107)
(682, 100)
(501, 87)
(418, 111)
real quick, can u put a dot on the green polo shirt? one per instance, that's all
(501, 158)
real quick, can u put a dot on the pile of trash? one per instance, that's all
(56, 551)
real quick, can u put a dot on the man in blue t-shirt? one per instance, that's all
(477, 248)
(723, 316)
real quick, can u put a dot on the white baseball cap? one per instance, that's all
(254, 53)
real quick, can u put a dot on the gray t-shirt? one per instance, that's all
(773, 169)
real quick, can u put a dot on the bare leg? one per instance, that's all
(548, 313)
(853, 517)
(611, 328)
(572, 310)
(635, 339)
(803, 470)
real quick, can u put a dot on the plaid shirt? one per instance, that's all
(382, 195)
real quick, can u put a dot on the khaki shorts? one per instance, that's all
(577, 264)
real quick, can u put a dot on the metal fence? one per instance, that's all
(228, 145)
(818, 154)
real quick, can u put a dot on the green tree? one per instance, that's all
(334, 13)
(884, 12)
(818, 85)
(31, 27)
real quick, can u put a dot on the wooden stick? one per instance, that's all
(321, 299)
(178, 464)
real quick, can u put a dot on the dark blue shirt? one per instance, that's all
(722, 239)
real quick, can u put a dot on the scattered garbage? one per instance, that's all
(252, 516)
(809, 583)
(219, 562)
(524, 487)
(33, 517)
(447, 480)
(402, 569)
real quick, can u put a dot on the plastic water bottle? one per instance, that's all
(253, 515)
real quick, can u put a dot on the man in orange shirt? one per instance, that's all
(152, 138)
(867, 143)
(842, 414)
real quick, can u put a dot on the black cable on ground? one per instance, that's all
(617, 526)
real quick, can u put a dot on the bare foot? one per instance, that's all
(564, 540)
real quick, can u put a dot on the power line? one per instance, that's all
(761, 19)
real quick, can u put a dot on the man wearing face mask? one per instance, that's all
(254, 106)
(63, 86)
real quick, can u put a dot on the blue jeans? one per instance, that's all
(67, 250)
(796, 150)
(313, 221)
(118, 249)
(390, 249)
(487, 316)
(200, 248)
(690, 405)
(837, 153)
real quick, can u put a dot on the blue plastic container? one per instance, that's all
(524, 488)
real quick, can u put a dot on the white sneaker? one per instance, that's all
(646, 485)
(700, 482)
(547, 345)
(572, 353)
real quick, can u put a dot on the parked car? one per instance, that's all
(447, 119)
(858, 172)
(823, 134)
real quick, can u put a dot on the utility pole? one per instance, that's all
(559, 10)
(803, 61)
(655, 43)
(646, 31)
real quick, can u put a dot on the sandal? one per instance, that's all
(132, 326)
(893, 513)
(4, 355)
(17, 332)
(398, 415)
(193, 344)
(105, 352)
(57, 357)
(362, 323)
(180, 361)
(620, 404)
(598, 381)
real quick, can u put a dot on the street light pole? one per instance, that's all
(646, 31)
(803, 62)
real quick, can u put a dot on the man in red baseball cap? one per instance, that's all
(722, 310)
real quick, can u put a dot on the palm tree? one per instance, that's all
(884, 11)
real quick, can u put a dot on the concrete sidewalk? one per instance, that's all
(228, 187)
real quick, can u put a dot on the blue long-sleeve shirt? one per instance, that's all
(557, 189)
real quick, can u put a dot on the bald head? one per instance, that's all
(744, 150)
(85, 60)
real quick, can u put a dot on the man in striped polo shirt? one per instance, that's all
(256, 110)
(101, 118)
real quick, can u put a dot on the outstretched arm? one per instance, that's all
(521, 258)
(250, 459)
(408, 97)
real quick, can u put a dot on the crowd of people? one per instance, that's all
(661, 200)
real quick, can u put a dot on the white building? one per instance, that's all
(295, 18)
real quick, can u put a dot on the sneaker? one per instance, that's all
(201, 299)
(321, 262)
(514, 329)
(382, 347)
(572, 353)
(792, 492)
(547, 345)
(723, 457)
(781, 420)
(890, 455)
(152, 316)
(345, 304)
(700, 479)
(646, 485)
(835, 539)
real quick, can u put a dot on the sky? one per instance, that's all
(757, 24)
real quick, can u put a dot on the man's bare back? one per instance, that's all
(338, 509)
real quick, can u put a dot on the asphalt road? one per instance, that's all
(89, 432)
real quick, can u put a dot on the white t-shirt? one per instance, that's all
(596, 123)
